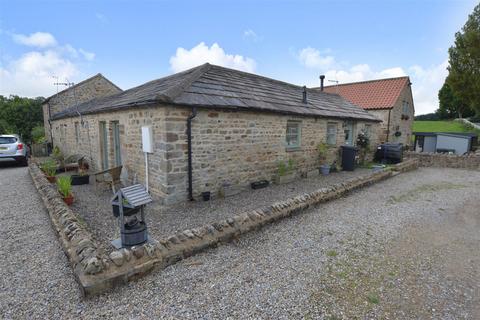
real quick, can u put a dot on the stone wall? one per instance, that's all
(229, 147)
(396, 122)
(98, 272)
(94, 87)
(470, 161)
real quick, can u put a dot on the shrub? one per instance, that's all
(284, 168)
(64, 184)
(38, 134)
(322, 150)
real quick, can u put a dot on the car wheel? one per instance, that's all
(24, 162)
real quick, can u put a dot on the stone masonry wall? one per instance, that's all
(236, 148)
(396, 121)
(470, 161)
(96, 272)
(95, 87)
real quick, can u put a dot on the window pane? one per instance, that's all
(293, 134)
(332, 133)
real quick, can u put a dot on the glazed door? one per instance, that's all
(116, 143)
(104, 144)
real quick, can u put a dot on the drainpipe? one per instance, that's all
(50, 124)
(388, 124)
(189, 141)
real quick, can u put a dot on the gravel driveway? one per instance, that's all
(404, 248)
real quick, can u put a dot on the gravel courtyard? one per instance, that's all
(404, 248)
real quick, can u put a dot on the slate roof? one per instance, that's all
(98, 75)
(373, 94)
(210, 86)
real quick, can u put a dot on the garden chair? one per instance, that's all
(110, 177)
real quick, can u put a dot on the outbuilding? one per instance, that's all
(444, 142)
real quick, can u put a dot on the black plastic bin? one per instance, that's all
(349, 154)
(389, 153)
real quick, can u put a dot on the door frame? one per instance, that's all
(103, 134)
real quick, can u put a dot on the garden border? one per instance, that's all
(96, 272)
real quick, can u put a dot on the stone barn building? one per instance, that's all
(390, 100)
(94, 87)
(212, 127)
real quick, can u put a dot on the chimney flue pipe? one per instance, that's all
(322, 78)
(304, 100)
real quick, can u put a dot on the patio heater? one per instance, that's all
(128, 206)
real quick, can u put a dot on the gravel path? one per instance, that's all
(93, 205)
(35, 277)
(401, 249)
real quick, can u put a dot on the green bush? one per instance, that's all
(284, 168)
(64, 184)
(38, 134)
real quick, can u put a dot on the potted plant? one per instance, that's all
(49, 167)
(59, 157)
(322, 154)
(285, 172)
(64, 184)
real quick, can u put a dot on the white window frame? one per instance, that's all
(330, 134)
(298, 134)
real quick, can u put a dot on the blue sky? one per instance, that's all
(132, 42)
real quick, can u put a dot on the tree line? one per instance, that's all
(22, 116)
(459, 96)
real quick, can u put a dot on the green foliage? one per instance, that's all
(440, 126)
(451, 105)
(322, 150)
(64, 184)
(428, 117)
(285, 168)
(49, 167)
(38, 134)
(373, 298)
(363, 141)
(20, 115)
(464, 62)
(58, 156)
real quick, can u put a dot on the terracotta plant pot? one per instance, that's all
(51, 179)
(68, 200)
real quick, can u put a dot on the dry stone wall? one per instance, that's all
(470, 161)
(97, 273)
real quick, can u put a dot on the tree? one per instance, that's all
(20, 115)
(451, 106)
(464, 62)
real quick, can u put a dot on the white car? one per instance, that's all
(13, 149)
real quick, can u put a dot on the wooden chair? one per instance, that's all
(109, 176)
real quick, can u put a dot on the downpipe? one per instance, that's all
(192, 115)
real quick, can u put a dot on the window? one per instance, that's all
(77, 132)
(406, 108)
(332, 134)
(293, 134)
(368, 129)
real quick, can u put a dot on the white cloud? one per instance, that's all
(201, 53)
(312, 58)
(426, 84)
(37, 39)
(32, 73)
(250, 34)
(426, 81)
(89, 56)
